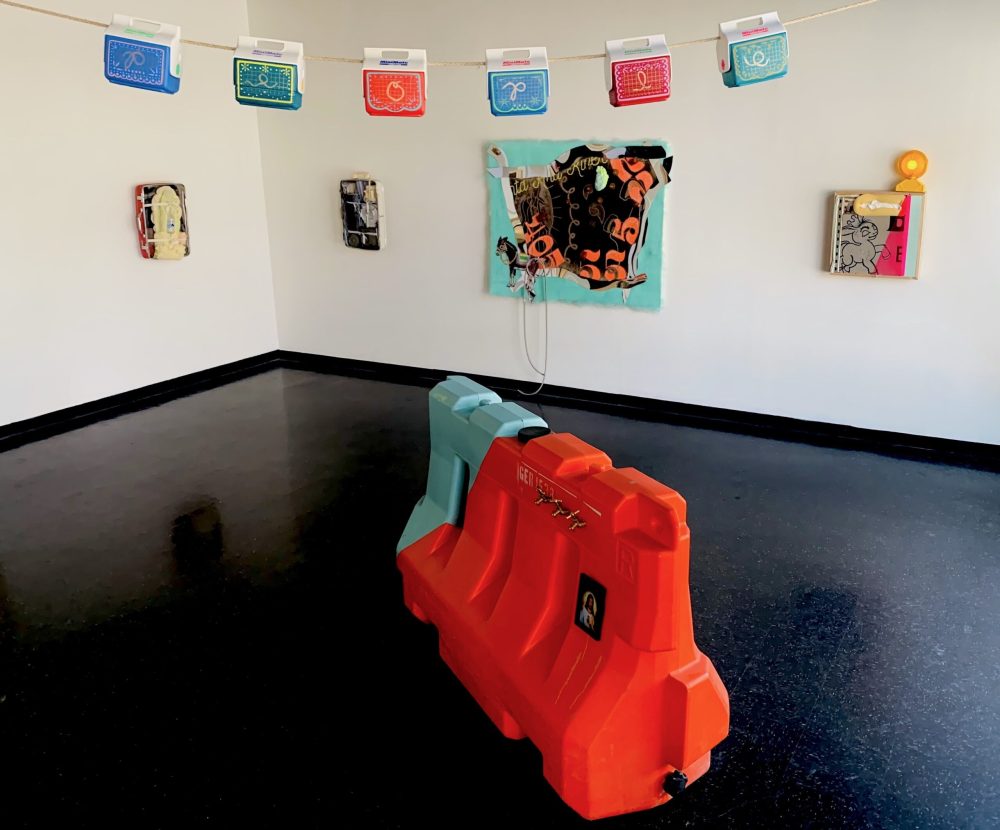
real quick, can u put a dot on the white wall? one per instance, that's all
(750, 320)
(82, 316)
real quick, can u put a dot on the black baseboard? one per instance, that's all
(903, 445)
(63, 420)
(941, 450)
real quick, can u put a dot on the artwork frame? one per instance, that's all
(585, 217)
(362, 213)
(162, 220)
(876, 233)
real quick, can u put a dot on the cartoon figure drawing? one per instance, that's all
(588, 611)
(859, 250)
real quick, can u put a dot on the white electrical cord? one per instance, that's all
(524, 335)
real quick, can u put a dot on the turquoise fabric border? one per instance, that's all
(913, 237)
(646, 296)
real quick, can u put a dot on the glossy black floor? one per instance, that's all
(201, 622)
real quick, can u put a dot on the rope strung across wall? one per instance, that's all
(458, 63)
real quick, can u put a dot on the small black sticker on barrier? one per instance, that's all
(590, 605)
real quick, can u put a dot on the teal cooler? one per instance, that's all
(753, 50)
(269, 73)
(517, 80)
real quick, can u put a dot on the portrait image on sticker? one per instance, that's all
(588, 614)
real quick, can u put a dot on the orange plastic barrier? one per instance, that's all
(562, 604)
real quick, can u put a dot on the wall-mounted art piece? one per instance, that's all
(585, 218)
(877, 233)
(161, 219)
(362, 208)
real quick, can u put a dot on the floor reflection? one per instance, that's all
(197, 540)
(201, 617)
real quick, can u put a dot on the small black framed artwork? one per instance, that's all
(591, 603)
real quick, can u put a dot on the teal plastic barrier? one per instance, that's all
(465, 417)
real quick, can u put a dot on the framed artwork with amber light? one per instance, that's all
(877, 233)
